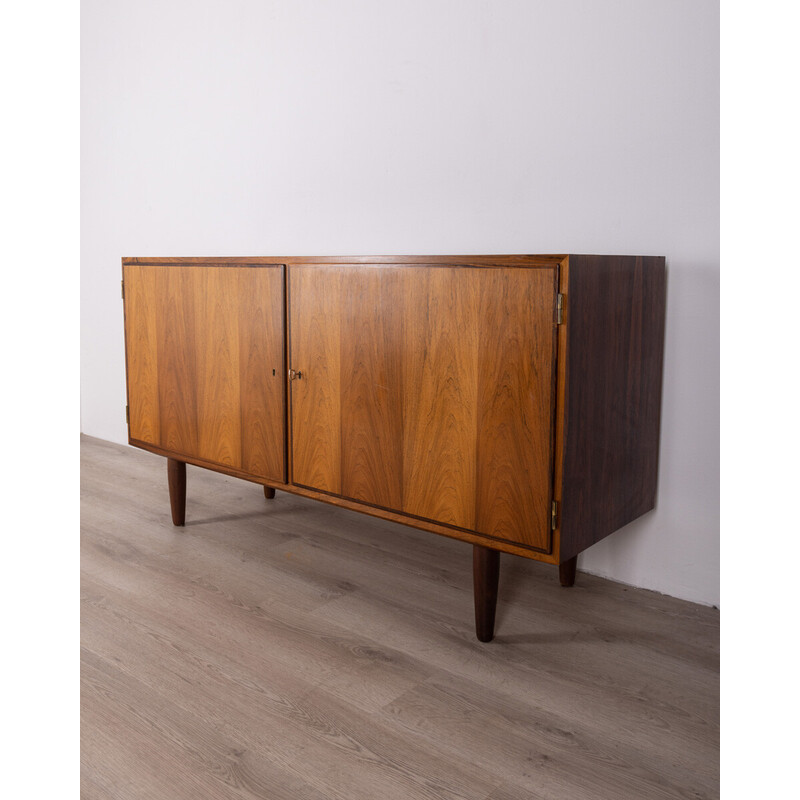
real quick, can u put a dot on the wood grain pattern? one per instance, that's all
(315, 303)
(177, 359)
(205, 363)
(440, 376)
(615, 347)
(428, 391)
(503, 261)
(471, 537)
(141, 357)
(262, 371)
(291, 650)
(516, 404)
(456, 443)
(216, 344)
(371, 348)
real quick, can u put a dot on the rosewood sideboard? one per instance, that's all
(511, 402)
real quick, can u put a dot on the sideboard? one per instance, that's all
(512, 402)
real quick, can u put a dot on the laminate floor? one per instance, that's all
(289, 649)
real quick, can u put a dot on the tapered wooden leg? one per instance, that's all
(269, 492)
(566, 571)
(485, 575)
(176, 475)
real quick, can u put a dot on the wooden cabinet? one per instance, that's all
(508, 401)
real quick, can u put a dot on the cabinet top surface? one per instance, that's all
(521, 260)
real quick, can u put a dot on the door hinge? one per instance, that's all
(559, 309)
(122, 289)
(553, 515)
(128, 414)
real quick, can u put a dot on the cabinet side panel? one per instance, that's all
(516, 405)
(262, 372)
(141, 343)
(615, 344)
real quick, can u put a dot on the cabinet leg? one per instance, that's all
(485, 575)
(269, 492)
(566, 571)
(176, 475)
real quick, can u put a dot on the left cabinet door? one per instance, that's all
(205, 363)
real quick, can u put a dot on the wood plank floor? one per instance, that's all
(290, 649)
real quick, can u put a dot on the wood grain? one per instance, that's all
(409, 412)
(205, 363)
(440, 377)
(614, 356)
(293, 650)
(516, 405)
(429, 391)
(371, 348)
(216, 344)
(262, 372)
(503, 261)
(315, 303)
(141, 355)
(177, 360)
(471, 537)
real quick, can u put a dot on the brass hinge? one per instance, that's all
(559, 309)
(128, 414)
(122, 289)
(554, 515)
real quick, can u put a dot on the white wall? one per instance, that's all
(247, 127)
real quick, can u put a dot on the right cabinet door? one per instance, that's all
(428, 390)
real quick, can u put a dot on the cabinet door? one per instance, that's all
(428, 390)
(205, 363)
